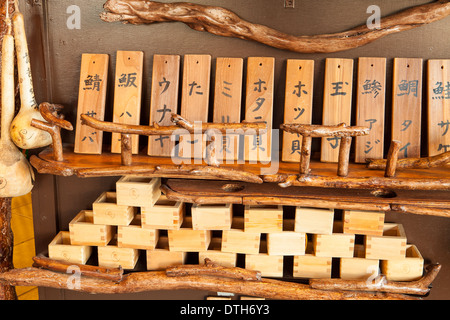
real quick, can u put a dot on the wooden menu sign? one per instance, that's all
(194, 102)
(164, 101)
(297, 104)
(259, 107)
(438, 106)
(227, 103)
(370, 108)
(91, 101)
(337, 102)
(127, 95)
(407, 105)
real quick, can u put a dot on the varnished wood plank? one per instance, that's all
(163, 101)
(127, 94)
(407, 105)
(370, 108)
(337, 102)
(438, 88)
(91, 101)
(297, 104)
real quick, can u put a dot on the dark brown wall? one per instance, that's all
(56, 57)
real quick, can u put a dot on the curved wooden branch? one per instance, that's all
(413, 163)
(419, 287)
(318, 131)
(223, 22)
(158, 280)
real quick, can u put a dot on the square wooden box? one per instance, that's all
(391, 245)
(187, 239)
(211, 216)
(83, 231)
(404, 269)
(61, 249)
(138, 191)
(135, 236)
(214, 253)
(111, 256)
(269, 266)
(287, 242)
(310, 266)
(358, 267)
(107, 211)
(337, 244)
(363, 222)
(237, 240)
(263, 218)
(314, 220)
(161, 258)
(165, 214)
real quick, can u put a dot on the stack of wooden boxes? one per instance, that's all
(138, 217)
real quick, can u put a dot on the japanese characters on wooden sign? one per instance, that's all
(127, 95)
(438, 89)
(227, 103)
(91, 101)
(297, 104)
(164, 101)
(407, 105)
(337, 102)
(370, 108)
(259, 107)
(194, 103)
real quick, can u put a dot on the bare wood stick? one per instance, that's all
(158, 280)
(126, 149)
(211, 154)
(113, 274)
(176, 196)
(305, 155)
(223, 22)
(413, 163)
(212, 269)
(419, 287)
(344, 156)
(48, 112)
(320, 131)
(46, 167)
(392, 159)
(423, 210)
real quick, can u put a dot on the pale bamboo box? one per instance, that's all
(138, 191)
(135, 236)
(83, 231)
(337, 244)
(363, 222)
(164, 214)
(107, 211)
(111, 256)
(211, 216)
(269, 266)
(61, 249)
(237, 240)
(404, 269)
(287, 242)
(311, 266)
(358, 267)
(188, 239)
(162, 258)
(314, 220)
(214, 253)
(391, 245)
(263, 218)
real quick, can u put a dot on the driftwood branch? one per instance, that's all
(112, 274)
(419, 287)
(320, 131)
(212, 269)
(223, 22)
(413, 163)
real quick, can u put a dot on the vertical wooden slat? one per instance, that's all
(407, 105)
(438, 106)
(163, 101)
(337, 102)
(297, 104)
(227, 102)
(370, 108)
(194, 102)
(127, 94)
(259, 106)
(91, 101)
